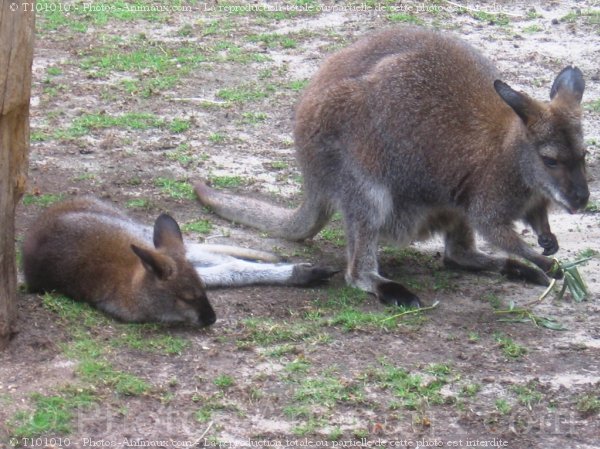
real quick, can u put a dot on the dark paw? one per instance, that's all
(518, 271)
(395, 294)
(549, 243)
(307, 274)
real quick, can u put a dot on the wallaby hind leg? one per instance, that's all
(461, 252)
(238, 273)
(362, 271)
(210, 254)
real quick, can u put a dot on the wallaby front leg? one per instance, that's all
(538, 220)
(238, 273)
(508, 240)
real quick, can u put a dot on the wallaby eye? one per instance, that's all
(550, 161)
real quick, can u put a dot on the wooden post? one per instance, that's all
(17, 21)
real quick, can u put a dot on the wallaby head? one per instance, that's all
(91, 252)
(552, 148)
(170, 283)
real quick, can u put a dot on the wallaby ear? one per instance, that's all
(525, 107)
(167, 233)
(155, 263)
(569, 84)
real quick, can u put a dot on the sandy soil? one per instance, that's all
(122, 164)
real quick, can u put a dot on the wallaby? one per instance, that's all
(90, 251)
(410, 132)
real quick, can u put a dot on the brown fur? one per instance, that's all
(409, 132)
(90, 252)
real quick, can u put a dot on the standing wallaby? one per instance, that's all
(92, 252)
(409, 132)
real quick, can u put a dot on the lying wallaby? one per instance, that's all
(409, 132)
(90, 251)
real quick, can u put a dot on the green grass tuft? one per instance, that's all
(179, 190)
(52, 414)
(198, 226)
(227, 182)
(43, 200)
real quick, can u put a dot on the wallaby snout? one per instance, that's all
(91, 252)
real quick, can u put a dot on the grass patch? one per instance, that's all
(229, 52)
(298, 85)
(132, 120)
(335, 236)
(344, 307)
(274, 40)
(527, 395)
(178, 190)
(266, 332)
(493, 299)
(401, 17)
(491, 19)
(503, 406)
(148, 338)
(279, 165)
(298, 366)
(139, 203)
(589, 16)
(179, 125)
(588, 404)
(510, 348)
(252, 118)
(55, 15)
(245, 93)
(227, 182)
(593, 105)
(42, 200)
(326, 391)
(153, 67)
(413, 391)
(592, 207)
(198, 227)
(73, 312)
(532, 29)
(217, 138)
(52, 414)
(470, 390)
(216, 27)
(185, 155)
(87, 123)
(224, 381)
(101, 372)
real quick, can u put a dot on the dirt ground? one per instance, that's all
(208, 93)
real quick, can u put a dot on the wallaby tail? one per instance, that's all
(299, 224)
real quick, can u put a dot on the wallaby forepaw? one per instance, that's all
(395, 294)
(549, 243)
(307, 274)
(518, 271)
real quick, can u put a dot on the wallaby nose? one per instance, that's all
(208, 320)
